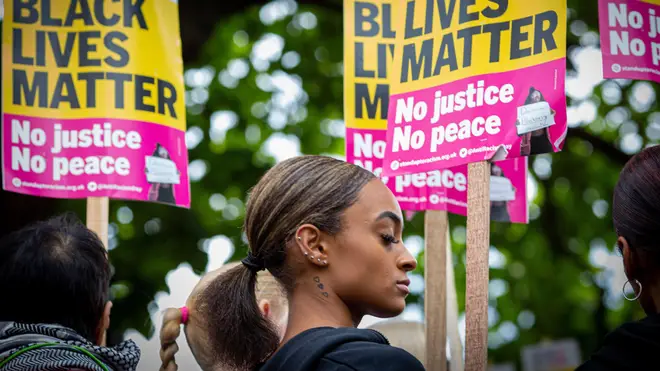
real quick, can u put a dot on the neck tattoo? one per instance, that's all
(320, 286)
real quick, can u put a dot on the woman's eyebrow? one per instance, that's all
(392, 216)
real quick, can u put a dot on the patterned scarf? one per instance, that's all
(55, 348)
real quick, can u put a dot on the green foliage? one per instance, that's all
(546, 269)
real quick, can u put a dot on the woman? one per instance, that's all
(330, 232)
(636, 215)
(161, 192)
(272, 304)
(499, 210)
(537, 141)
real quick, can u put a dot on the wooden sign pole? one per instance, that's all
(455, 345)
(98, 209)
(478, 243)
(435, 298)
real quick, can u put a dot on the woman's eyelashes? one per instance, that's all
(389, 239)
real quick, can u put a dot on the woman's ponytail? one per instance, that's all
(172, 321)
(243, 336)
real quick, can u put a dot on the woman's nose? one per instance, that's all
(407, 262)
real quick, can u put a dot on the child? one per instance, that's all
(271, 300)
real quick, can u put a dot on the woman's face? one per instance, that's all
(536, 96)
(496, 171)
(369, 262)
(162, 152)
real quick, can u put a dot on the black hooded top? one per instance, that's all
(633, 346)
(340, 349)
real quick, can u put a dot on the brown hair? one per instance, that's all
(201, 344)
(302, 190)
(636, 204)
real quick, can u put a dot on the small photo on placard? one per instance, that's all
(162, 174)
(501, 189)
(161, 170)
(502, 194)
(535, 116)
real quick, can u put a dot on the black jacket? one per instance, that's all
(633, 346)
(342, 349)
(47, 347)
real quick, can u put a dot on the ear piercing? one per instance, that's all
(311, 257)
(324, 262)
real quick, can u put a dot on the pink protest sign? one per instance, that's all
(443, 189)
(84, 158)
(475, 83)
(100, 115)
(630, 39)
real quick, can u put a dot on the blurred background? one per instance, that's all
(264, 83)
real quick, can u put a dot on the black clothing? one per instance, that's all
(340, 349)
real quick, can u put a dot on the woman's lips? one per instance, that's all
(403, 286)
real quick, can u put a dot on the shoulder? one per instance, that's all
(365, 355)
(631, 346)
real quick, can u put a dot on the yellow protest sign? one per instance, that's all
(476, 80)
(370, 31)
(91, 90)
(444, 41)
(368, 63)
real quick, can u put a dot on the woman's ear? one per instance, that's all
(264, 306)
(312, 244)
(104, 324)
(630, 261)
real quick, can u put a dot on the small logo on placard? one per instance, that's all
(16, 182)
(616, 68)
(434, 199)
(463, 152)
(394, 165)
(92, 187)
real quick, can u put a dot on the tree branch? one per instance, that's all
(601, 145)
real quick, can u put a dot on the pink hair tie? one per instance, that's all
(184, 315)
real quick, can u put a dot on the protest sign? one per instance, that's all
(630, 39)
(463, 70)
(368, 56)
(93, 101)
(446, 189)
